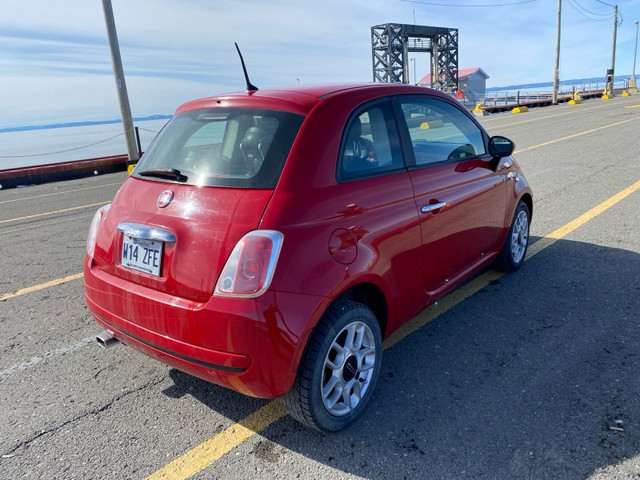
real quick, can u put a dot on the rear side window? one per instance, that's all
(370, 144)
(225, 147)
(440, 132)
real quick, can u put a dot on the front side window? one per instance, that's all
(440, 132)
(225, 147)
(370, 144)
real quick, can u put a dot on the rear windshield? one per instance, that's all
(222, 147)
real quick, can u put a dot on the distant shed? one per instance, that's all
(472, 82)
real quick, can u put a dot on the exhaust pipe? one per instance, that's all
(106, 339)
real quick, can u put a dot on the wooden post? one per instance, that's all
(121, 86)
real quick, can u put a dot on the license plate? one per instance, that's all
(141, 255)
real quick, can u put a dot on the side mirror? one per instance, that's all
(500, 147)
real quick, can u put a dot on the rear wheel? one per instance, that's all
(515, 246)
(338, 373)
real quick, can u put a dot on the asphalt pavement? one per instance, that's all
(533, 375)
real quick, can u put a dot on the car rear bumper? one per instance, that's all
(249, 345)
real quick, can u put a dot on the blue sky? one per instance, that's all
(55, 64)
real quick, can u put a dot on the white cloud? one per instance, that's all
(55, 61)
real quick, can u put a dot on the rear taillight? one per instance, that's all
(93, 229)
(249, 269)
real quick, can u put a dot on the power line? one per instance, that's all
(581, 10)
(589, 11)
(437, 4)
(576, 5)
(67, 150)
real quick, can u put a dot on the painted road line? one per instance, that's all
(565, 230)
(446, 303)
(529, 120)
(211, 450)
(19, 367)
(632, 106)
(54, 221)
(486, 123)
(550, 142)
(207, 453)
(490, 276)
(35, 288)
(60, 193)
(53, 213)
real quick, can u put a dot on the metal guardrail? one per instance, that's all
(524, 96)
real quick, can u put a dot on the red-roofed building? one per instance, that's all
(472, 82)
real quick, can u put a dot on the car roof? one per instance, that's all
(299, 98)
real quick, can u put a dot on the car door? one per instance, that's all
(459, 196)
(378, 231)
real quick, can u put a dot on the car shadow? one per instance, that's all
(231, 404)
(534, 376)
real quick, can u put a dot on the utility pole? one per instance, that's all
(405, 57)
(121, 86)
(632, 81)
(557, 68)
(414, 70)
(613, 50)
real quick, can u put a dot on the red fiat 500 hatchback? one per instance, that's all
(269, 240)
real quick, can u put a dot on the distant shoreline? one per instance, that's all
(526, 86)
(79, 124)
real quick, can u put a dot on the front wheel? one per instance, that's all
(515, 246)
(338, 373)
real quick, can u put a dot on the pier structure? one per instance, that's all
(391, 44)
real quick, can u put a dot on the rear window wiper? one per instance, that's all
(167, 173)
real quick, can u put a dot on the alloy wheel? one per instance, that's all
(348, 368)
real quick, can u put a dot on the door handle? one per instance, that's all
(435, 206)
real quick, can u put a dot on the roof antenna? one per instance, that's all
(250, 87)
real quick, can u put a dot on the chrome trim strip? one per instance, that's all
(146, 232)
(435, 206)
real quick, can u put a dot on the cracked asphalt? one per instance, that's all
(535, 376)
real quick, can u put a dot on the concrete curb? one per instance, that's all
(62, 171)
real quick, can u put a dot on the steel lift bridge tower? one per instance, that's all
(392, 42)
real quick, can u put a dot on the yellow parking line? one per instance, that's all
(575, 135)
(486, 278)
(35, 288)
(529, 120)
(54, 221)
(59, 193)
(485, 121)
(565, 230)
(211, 450)
(441, 306)
(52, 213)
(207, 453)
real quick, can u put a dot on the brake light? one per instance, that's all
(93, 229)
(249, 269)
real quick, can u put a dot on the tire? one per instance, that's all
(515, 245)
(339, 370)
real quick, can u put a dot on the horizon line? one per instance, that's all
(87, 123)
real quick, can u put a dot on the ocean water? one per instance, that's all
(41, 146)
(37, 145)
